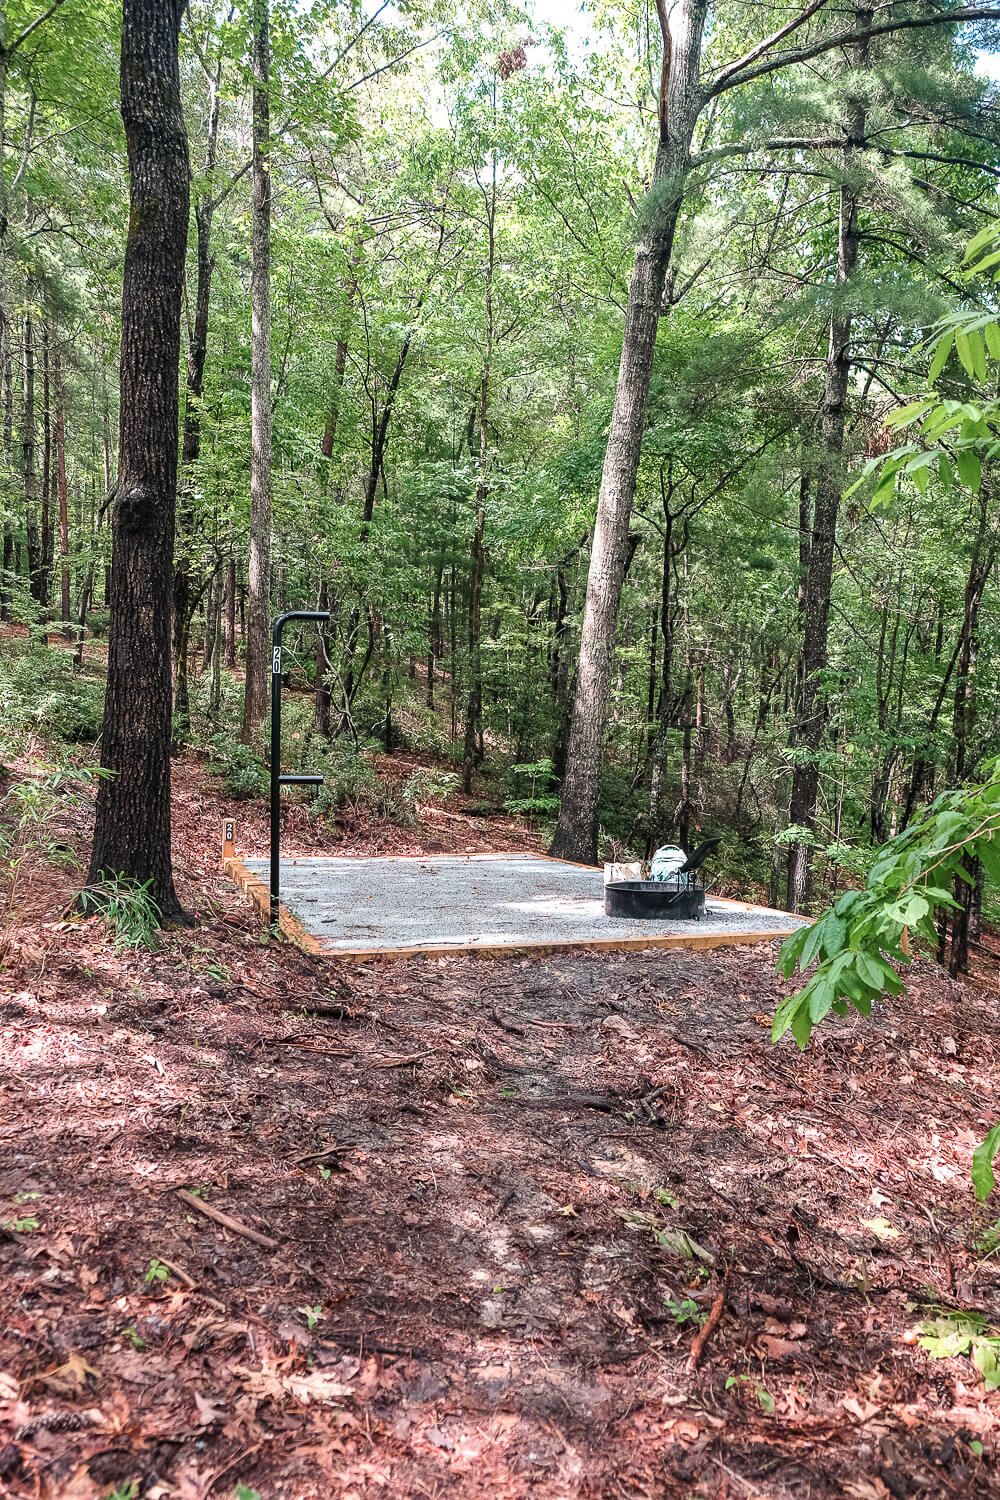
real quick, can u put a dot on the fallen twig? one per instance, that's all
(241, 1457)
(506, 1025)
(600, 1102)
(178, 1271)
(226, 1220)
(709, 1326)
(331, 1011)
(321, 1155)
(402, 1062)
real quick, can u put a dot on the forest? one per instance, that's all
(617, 385)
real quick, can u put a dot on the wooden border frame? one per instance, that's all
(258, 892)
(296, 933)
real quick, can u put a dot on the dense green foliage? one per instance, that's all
(953, 847)
(457, 190)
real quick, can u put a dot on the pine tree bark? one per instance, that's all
(258, 621)
(4, 67)
(185, 594)
(681, 99)
(45, 536)
(323, 700)
(29, 463)
(132, 829)
(7, 576)
(62, 487)
(810, 720)
(472, 746)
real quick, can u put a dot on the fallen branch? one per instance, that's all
(599, 1102)
(321, 1155)
(333, 1011)
(226, 1220)
(313, 1045)
(709, 1326)
(645, 1105)
(506, 1025)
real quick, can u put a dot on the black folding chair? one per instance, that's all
(697, 859)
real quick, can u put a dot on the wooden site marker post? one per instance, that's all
(228, 841)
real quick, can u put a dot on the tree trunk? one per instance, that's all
(184, 593)
(7, 576)
(323, 701)
(45, 536)
(471, 757)
(29, 467)
(434, 641)
(212, 601)
(86, 594)
(680, 102)
(808, 731)
(215, 691)
(322, 697)
(229, 613)
(472, 754)
(4, 65)
(132, 829)
(62, 488)
(258, 622)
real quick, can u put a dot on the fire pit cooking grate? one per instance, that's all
(677, 898)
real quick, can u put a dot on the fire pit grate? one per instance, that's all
(680, 899)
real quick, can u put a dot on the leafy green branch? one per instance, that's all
(854, 951)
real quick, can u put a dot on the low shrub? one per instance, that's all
(240, 769)
(43, 695)
(529, 791)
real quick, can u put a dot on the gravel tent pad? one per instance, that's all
(391, 906)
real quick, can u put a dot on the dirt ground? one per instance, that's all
(564, 1227)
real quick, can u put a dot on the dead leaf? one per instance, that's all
(208, 1412)
(863, 1410)
(70, 1377)
(881, 1229)
(314, 1387)
(784, 1329)
(688, 1432)
(780, 1348)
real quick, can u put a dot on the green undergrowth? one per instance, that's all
(42, 695)
(353, 786)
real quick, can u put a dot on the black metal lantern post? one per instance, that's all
(277, 780)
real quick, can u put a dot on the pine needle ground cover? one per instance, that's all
(485, 1213)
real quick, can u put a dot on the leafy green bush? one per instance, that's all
(239, 768)
(43, 695)
(418, 729)
(428, 786)
(854, 949)
(529, 790)
(349, 777)
(205, 723)
(28, 812)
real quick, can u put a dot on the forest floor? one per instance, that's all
(560, 1227)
